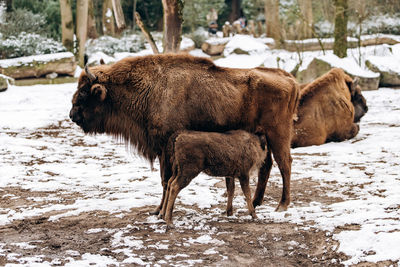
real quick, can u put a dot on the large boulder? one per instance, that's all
(245, 45)
(214, 46)
(388, 66)
(369, 80)
(40, 65)
(4, 81)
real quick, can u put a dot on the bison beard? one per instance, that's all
(146, 99)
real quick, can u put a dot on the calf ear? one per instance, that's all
(99, 90)
(354, 85)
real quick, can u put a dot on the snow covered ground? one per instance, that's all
(65, 174)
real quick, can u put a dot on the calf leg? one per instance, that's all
(230, 189)
(176, 185)
(244, 183)
(263, 176)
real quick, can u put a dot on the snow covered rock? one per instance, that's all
(40, 65)
(245, 44)
(4, 81)
(388, 66)
(369, 80)
(214, 46)
(187, 44)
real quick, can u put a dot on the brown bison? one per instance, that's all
(233, 154)
(146, 99)
(328, 110)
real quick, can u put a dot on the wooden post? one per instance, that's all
(108, 18)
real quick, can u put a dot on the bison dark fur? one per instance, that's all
(146, 99)
(233, 154)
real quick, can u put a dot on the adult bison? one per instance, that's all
(146, 99)
(329, 108)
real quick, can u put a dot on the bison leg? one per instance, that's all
(244, 183)
(176, 185)
(263, 176)
(165, 173)
(230, 189)
(165, 199)
(279, 139)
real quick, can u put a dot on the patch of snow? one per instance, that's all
(246, 44)
(95, 58)
(20, 61)
(198, 53)
(241, 61)
(348, 64)
(387, 64)
(186, 43)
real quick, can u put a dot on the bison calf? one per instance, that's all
(231, 154)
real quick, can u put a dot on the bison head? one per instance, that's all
(358, 100)
(88, 104)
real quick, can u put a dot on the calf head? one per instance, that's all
(358, 100)
(89, 104)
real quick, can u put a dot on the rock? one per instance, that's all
(318, 66)
(40, 65)
(4, 81)
(245, 45)
(387, 67)
(214, 46)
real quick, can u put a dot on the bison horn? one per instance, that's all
(90, 75)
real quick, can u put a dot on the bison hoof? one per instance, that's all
(257, 202)
(254, 216)
(229, 213)
(154, 212)
(281, 207)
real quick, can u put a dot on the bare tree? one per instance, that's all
(341, 17)
(119, 15)
(108, 18)
(172, 25)
(272, 20)
(307, 18)
(67, 24)
(235, 10)
(81, 27)
(91, 30)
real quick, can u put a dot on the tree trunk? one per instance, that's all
(67, 25)
(273, 25)
(172, 25)
(307, 18)
(8, 6)
(341, 16)
(235, 10)
(91, 30)
(108, 18)
(119, 14)
(134, 12)
(81, 27)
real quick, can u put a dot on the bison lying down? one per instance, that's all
(147, 99)
(328, 110)
(232, 154)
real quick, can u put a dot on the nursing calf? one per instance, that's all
(232, 154)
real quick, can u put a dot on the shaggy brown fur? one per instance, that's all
(149, 98)
(327, 110)
(233, 154)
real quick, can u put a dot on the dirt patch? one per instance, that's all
(229, 241)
